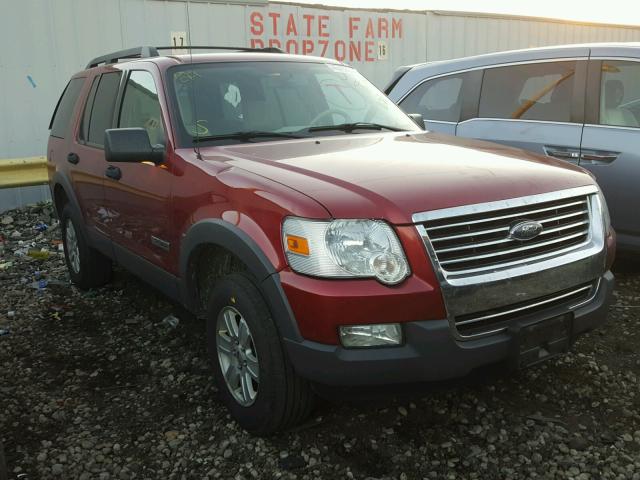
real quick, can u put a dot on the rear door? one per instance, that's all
(611, 140)
(538, 106)
(444, 100)
(86, 154)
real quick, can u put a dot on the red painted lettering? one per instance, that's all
(307, 47)
(340, 50)
(274, 18)
(323, 25)
(325, 46)
(355, 51)
(274, 43)
(383, 26)
(309, 20)
(396, 27)
(257, 43)
(353, 25)
(257, 27)
(290, 44)
(291, 26)
(369, 51)
(369, 32)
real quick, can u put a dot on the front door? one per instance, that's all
(611, 142)
(535, 106)
(138, 195)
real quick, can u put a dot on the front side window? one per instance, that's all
(620, 93)
(439, 99)
(141, 107)
(103, 107)
(278, 97)
(64, 110)
(536, 91)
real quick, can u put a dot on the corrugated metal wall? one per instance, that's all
(454, 34)
(54, 39)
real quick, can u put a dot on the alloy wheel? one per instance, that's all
(237, 356)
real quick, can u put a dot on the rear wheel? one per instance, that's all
(253, 373)
(87, 267)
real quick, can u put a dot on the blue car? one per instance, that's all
(578, 103)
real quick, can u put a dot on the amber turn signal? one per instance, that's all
(298, 245)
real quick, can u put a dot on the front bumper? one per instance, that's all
(430, 351)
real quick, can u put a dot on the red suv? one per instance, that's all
(324, 237)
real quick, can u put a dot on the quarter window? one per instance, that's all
(620, 93)
(536, 91)
(103, 107)
(141, 107)
(62, 115)
(86, 115)
(439, 99)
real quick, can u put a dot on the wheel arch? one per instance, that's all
(62, 193)
(228, 239)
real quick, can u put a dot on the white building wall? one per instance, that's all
(52, 39)
(455, 34)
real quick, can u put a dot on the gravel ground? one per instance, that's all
(94, 385)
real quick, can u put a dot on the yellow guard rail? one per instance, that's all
(23, 172)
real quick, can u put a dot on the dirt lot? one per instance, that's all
(96, 385)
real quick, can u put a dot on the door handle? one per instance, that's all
(563, 153)
(113, 172)
(73, 158)
(596, 158)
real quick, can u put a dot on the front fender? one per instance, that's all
(223, 234)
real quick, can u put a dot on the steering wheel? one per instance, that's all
(327, 113)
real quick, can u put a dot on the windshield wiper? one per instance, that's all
(245, 136)
(350, 127)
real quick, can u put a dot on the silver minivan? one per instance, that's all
(579, 103)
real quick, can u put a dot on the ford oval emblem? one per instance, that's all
(525, 230)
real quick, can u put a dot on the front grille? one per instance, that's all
(474, 242)
(497, 319)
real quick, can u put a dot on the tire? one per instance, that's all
(282, 398)
(4, 475)
(87, 267)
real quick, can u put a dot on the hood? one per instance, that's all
(394, 175)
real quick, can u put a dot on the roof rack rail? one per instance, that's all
(148, 52)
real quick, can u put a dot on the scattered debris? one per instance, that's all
(170, 321)
(85, 396)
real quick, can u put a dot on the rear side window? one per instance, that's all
(64, 110)
(439, 99)
(620, 93)
(86, 115)
(537, 91)
(103, 107)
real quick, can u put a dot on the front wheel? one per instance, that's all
(257, 380)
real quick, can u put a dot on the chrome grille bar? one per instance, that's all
(514, 250)
(503, 217)
(525, 307)
(478, 238)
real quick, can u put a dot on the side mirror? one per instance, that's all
(130, 145)
(418, 119)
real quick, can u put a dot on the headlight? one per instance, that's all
(344, 248)
(606, 218)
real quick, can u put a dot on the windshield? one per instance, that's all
(223, 99)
